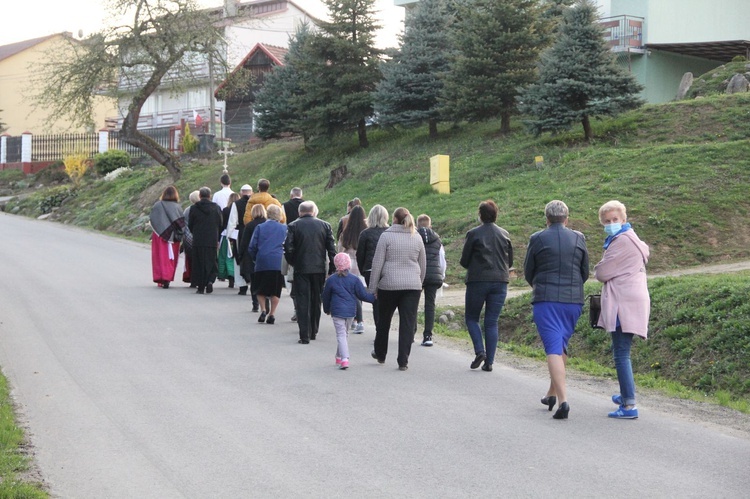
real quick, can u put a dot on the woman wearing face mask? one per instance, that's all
(625, 300)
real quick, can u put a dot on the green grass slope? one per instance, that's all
(681, 168)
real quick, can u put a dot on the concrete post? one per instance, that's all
(26, 147)
(4, 149)
(103, 140)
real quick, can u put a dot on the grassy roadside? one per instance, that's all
(13, 462)
(698, 346)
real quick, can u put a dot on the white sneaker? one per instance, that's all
(360, 328)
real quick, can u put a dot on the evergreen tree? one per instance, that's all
(341, 70)
(498, 44)
(277, 103)
(578, 77)
(411, 85)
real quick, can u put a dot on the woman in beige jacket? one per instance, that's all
(625, 300)
(398, 270)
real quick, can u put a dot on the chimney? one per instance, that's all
(231, 7)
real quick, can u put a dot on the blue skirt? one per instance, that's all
(555, 323)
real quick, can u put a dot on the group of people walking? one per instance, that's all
(264, 243)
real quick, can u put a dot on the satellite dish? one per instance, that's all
(80, 33)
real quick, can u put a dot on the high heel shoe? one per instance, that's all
(562, 411)
(549, 401)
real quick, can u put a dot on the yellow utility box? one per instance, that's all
(440, 173)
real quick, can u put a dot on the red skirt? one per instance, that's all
(162, 266)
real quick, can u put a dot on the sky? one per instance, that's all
(19, 22)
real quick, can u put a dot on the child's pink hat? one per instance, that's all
(342, 262)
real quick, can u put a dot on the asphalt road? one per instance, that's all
(132, 391)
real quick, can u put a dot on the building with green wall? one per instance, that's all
(661, 40)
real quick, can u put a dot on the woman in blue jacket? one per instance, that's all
(267, 249)
(340, 296)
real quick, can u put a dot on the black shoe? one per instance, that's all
(481, 357)
(313, 336)
(549, 401)
(562, 411)
(262, 317)
(165, 285)
(255, 308)
(271, 319)
(303, 342)
(403, 368)
(209, 288)
(294, 318)
(231, 282)
(375, 356)
(200, 291)
(243, 290)
(487, 367)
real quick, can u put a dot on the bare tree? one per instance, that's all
(162, 42)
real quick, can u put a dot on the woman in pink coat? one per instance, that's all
(625, 300)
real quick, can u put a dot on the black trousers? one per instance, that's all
(430, 292)
(375, 313)
(407, 303)
(308, 288)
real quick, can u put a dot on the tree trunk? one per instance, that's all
(588, 134)
(153, 149)
(505, 122)
(433, 128)
(362, 133)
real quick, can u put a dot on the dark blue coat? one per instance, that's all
(340, 295)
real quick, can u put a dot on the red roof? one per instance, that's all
(276, 54)
(14, 48)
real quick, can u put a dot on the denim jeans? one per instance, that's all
(478, 294)
(621, 352)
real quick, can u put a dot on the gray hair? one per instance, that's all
(613, 205)
(204, 193)
(308, 208)
(296, 192)
(274, 213)
(556, 211)
(378, 216)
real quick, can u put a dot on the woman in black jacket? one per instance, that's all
(377, 222)
(487, 257)
(247, 264)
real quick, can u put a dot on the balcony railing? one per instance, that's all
(169, 118)
(624, 33)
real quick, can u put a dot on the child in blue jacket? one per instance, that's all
(340, 296)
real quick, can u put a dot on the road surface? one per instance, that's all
(132, 391)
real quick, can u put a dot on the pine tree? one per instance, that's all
(498, 44)
(277, 103)
(578, 77)
(411, 85)
(341, 70)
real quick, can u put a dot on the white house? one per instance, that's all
(269, 22)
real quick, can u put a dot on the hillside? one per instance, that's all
(681, 169)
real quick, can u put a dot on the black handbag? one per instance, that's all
(595, 309)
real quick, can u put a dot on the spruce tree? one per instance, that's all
(498, 44)
(341, 70)
(411, 85)
(578, 77)
(277, 103)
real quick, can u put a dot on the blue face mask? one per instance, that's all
(612, 229)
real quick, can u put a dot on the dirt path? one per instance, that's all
(453, 296)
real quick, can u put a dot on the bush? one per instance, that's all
(55, 198)
(110, 161)
(189, 143)
(52, 173)
(76, 164)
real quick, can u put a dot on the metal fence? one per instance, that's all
(55, 147)
(14, 150)
(162, 136)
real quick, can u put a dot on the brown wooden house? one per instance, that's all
(238, 89)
